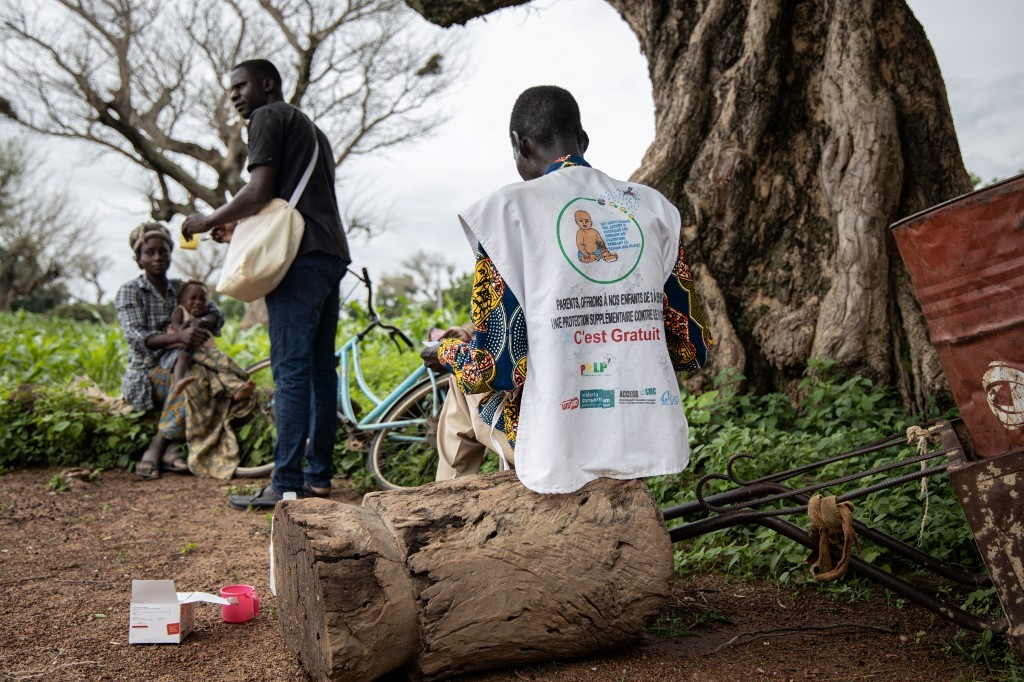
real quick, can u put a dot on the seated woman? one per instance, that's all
(144, 307)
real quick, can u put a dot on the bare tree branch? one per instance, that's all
(200, 264)
(145, 79)
(42, 243)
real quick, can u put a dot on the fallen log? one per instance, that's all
(466, 575)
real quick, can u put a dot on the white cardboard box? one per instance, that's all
(159, 615)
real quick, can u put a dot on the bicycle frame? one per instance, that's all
(349, 368)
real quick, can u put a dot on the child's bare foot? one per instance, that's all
(245, 391)
(180, 385)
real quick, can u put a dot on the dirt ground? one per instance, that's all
(67, 561)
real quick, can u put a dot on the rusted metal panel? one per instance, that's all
(991, 492)
(966, 260)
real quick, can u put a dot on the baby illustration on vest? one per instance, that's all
(589, 242)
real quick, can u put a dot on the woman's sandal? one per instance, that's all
(172, 462)
(147, 470)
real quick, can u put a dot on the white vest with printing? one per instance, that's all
(587, 256)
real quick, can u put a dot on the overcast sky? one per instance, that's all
(421, 187)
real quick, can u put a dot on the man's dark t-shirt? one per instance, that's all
(281, 136)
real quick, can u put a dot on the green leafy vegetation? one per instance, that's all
(829, 416)
(50, 351)
(43, 422)
(57, 484)
(48, 426)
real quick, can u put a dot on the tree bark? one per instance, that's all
(791, 134)
(255, 313)
(466, 575)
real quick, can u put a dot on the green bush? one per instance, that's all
(51, 427)
(832, 415)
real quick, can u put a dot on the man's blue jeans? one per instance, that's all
(303, 321)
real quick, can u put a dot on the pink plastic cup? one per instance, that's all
(244, 606)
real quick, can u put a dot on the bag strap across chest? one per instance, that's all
(297, 194)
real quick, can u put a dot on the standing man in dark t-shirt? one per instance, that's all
(303, 309)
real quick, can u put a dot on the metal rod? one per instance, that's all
(860, 567)
(880, 444)
(786, 511)
(836, 481)
(880, 538)
(737, 494)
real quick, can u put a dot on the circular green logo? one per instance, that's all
(600, 239)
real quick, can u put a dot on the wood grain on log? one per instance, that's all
(468, 574)
(343, 592)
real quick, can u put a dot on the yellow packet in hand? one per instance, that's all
(189, 244)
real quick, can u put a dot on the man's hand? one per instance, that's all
(194, 336)
(194, 224)
(430, 360)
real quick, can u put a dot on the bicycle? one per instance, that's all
(403, 424)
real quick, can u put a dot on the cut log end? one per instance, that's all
(344, 596)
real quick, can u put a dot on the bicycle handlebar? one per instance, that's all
(369, 295)
(375, 320)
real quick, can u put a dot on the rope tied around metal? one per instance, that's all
(831, 525)
(924, 438)
(738, 506)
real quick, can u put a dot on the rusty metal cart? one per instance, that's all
(966, 261)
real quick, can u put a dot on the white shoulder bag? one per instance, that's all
(264, 245)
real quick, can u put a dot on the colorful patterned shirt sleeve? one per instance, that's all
(495, 359)
(689, 338)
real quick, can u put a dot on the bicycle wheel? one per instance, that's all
(406, 456)
(260, 374)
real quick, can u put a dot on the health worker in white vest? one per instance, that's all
(583, 309)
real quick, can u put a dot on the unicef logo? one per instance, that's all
(600, 238)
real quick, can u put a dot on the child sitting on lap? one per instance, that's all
(193, 311)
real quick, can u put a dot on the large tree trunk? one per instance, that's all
(791, 134)
(466, 575)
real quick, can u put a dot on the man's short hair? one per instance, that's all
(262, 68)
(545, 112)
